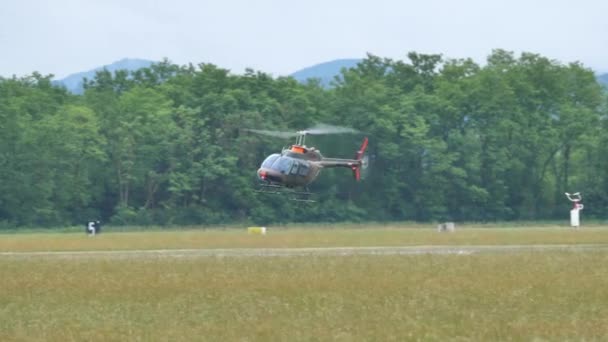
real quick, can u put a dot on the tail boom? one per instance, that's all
(354, 164)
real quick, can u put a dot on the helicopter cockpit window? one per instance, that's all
(269, 160)
(283, 164)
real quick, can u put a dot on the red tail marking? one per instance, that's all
(357, 168)
(362, 149)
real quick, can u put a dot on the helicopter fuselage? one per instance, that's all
(296, 166)
(300, 165)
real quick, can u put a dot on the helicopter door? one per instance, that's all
(304, 168)
(294, 168)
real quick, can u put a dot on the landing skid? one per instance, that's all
(292, 195)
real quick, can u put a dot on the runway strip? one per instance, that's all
(313, 251)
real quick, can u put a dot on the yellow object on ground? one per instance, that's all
(257, 230)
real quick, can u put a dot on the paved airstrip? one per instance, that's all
(314, 251)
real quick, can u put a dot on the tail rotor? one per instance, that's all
(360, 169)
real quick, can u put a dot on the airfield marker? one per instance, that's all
(575, 211)
(256, 230)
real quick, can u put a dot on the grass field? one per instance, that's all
(491, 296)
(294, 236)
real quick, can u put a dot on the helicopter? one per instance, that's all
(298, 165)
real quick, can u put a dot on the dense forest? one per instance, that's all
(166, 145)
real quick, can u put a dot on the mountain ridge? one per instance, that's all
(325, 72)
(73, 82)
(603, 79)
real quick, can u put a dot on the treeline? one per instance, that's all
(449, 139)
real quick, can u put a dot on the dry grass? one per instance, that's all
(483, 297)
(548, 296)
(329, 236)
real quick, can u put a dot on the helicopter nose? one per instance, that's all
(262, 174)
(268, 175)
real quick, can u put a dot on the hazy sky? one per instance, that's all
(66, 36)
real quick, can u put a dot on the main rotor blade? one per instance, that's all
(277, 134)
(315, 130)
(329, 129)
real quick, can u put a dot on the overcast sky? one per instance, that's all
(281, 36)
